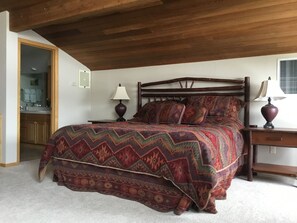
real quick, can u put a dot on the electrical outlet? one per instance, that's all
(272, 149)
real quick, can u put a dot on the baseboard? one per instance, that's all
(9, 164)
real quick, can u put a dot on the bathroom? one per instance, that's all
(35, 101)
(35, 79)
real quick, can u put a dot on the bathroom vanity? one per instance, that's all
(35, 127)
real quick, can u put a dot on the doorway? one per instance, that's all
(37, 98)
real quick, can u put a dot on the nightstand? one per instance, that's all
(270, 137)
(102, 121)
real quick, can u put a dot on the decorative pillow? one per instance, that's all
(166, 112)
(218, 105)
(194, 115)
(147, 112)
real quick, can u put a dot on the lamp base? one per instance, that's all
(269, 112)
(268, 125)
(121, 110)
(121, 119)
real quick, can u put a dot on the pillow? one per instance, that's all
(229, 106)
(166, 112)
(146, 112)
(194, 115)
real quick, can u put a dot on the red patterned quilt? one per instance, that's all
(193, 158)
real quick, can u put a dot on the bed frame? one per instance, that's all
(189, 86)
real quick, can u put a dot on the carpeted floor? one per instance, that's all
(23, 199)
(30, 151)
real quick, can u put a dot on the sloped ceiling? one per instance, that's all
(110, 34)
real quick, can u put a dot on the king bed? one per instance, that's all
(181, 149)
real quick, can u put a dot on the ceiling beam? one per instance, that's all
(60, 11)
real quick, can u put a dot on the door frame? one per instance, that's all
(54, 85)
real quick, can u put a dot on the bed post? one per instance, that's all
(247, 101)
(139, 99)
(244, 169)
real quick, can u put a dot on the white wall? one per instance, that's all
(2, 72)
(74, 103)
(8, 87)
(258, 68)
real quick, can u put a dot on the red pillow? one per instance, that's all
(229, 106)
(194, 115)
(167, 112)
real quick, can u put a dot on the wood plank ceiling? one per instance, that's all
(110, 34)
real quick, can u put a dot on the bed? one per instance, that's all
(181, 149)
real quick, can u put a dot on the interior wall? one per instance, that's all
(2, 75)
(70, 95)
(8, 90)
(74, 103)
(35, 60)
(259, 68)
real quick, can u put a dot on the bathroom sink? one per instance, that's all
(37, 110)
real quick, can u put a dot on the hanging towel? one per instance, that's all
(38, 94)
(32, 91)
(27, 97)
(33, 98)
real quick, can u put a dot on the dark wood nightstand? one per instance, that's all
(269, 137)
(101, 121)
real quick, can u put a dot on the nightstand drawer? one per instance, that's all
(274, 138)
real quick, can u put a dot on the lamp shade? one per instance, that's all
(121, 94)
(270, 89)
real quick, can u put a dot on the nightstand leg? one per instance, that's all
(255, 153)
(250, 162)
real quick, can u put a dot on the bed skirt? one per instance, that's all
(156, 193)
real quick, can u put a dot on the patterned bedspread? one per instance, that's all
(193, 158)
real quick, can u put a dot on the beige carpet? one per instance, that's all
(30, 151)
(24, 199)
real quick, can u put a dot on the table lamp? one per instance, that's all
(269, 90)
(121, 94)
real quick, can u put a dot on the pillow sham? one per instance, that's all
(194, 115)
(161, 112)
(229, 106)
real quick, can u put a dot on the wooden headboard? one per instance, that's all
(180, 88)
